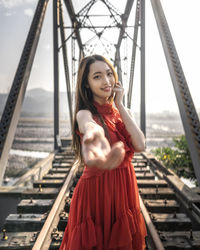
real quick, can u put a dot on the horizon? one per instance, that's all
(170, 112)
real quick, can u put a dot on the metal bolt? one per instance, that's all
(40, 188)
(31, 200)
(190, 206)
(165, 202)
(163, 238)
(191, 234)
(156, 188)
(153, 217)
(55, 230)
(5, 237)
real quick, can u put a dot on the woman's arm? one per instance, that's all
(84, 119)
(137, 137)
(96, 149)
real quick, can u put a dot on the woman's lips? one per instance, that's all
(106, 89)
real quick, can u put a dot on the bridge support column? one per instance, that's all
(56, 70)
(143, 105)
(66, 67)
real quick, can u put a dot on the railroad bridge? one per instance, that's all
(37, 215)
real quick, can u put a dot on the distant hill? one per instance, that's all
(38, 102)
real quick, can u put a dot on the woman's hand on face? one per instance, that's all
(97, 152)
(119, 93)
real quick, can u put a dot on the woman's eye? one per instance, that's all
(96, 77)
(110, 74)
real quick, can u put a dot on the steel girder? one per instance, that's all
(15, 98)
(74, 21)
(135, 36)
(125, 17)
(56, 71)
(66, 67)
(142, 70)
(186, 106)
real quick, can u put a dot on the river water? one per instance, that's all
(34, 154)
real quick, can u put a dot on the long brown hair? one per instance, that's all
(84, 99)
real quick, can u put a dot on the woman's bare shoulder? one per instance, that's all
(82, 113)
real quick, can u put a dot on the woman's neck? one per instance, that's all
(101, 101)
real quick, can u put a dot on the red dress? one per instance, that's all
(105, 211)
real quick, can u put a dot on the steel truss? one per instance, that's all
(82, 20)
(15, 98)
(186, 106)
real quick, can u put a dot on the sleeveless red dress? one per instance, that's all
(105, 212)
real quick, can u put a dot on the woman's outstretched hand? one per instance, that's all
(97, 152)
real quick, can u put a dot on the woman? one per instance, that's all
(105, 211)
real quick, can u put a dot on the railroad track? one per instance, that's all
(171, 210)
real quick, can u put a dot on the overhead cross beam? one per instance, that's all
(125, 17)
(74, 21)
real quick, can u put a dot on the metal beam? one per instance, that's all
(15, 99)
(186, 106)
(125, 17)
(56, 70)
(133, 58)
(66, 67)
(142, 71)
(119, 70)
(119, 67)
(74, 21)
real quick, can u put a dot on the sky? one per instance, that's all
(183, 19)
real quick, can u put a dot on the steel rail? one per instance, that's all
(150, 227)
(44, 238)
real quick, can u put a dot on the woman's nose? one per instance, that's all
(106, 80)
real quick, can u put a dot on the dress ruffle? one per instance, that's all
(83, 235)
(87, 235)
(98, 222)
(125, 229)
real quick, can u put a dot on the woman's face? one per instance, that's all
(101, 81)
